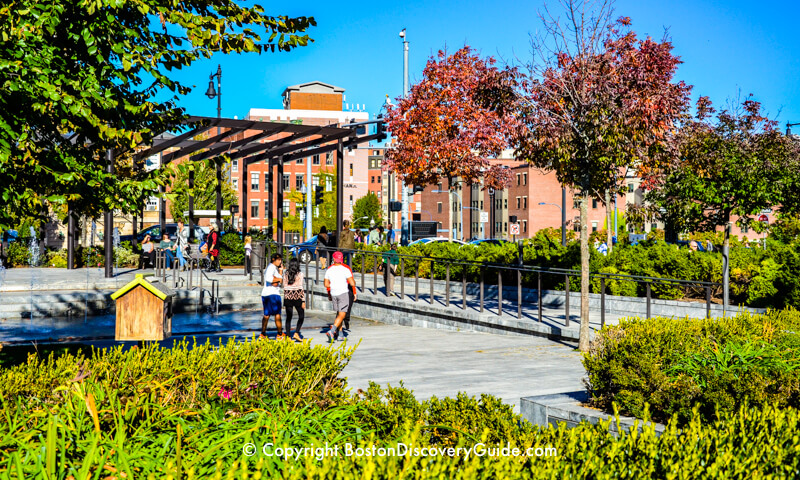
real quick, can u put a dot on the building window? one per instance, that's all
(315, 160)
(286, 208)
(439, 187)
(481, 204)
(525, 203)
(653, 226)
(594, 203)
(286, 181)
(299, 161)
(524, 178)
(236, 184)
(235, 166)
(254, 209)
(329, 159)
(631, 188)
(518, 177)
(524, 226)
(505, 203)
(314, 181)
(455, 206)
(351, 169)
(518, 204)
(745, 229)
(505, 226)
(298, 182)
(576, 203)
(372, 179)
(594, 226)
(439, 207)
(254, 181)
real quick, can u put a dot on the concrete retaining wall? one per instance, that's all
(566, 409)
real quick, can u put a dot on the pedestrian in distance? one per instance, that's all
(248, 250)
(339, 281)
(271, 295)
(390, 265)
(322, 247)
(181, 245)
(294, 297)
(347, 241)
(381, 236)
(213, 250)
(389, 234)
(374, 237)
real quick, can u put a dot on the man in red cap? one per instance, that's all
(338, 281)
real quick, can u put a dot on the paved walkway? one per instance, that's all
(430, 362)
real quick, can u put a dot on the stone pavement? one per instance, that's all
(429, 362)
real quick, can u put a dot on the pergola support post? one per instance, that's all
(279, 200)
(108, 223)
(339, 189)
(245, 203)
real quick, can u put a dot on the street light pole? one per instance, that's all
(563, 217)
(211, 93)
(789, 127)
(404, 214)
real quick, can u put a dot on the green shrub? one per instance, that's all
(713, 365)
(18, 255)
(231, 250)
(57, 259)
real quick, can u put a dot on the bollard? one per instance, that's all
(375, 275)
(431, 282)
(539, 294)
(647, 287)
(519, 294)
(481, 294)
(602, 302)
(708, 302)
(363, 270)
(402, 277)
(416, 283)
(566, 302)
(447, 286)
(499, 292)
(464, 287)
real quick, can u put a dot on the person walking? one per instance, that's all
(347, 241)
(294, 298)
(339, 281)
(322, 247)
(271, 295)
(374, 237)
(390, 265)
(213, 250)
(182, 244)
(248, 250)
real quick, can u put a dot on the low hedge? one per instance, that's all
(144, 424)
(676, 366)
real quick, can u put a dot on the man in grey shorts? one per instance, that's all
(339, 282)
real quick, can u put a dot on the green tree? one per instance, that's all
(367, 210)
(204, 192)
(597, 102)
(81, 77)
(736, 164)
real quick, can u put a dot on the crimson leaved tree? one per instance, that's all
(597, 101)
(452, 122)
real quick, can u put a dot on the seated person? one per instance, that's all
(148, 252)
(168, 247)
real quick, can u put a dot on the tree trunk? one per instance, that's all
(609, 222)
(583, 343)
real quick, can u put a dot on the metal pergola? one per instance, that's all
(273, 143)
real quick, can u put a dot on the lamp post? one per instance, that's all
(789, 127)
(404, 214)
(563, 222)
(211, 93)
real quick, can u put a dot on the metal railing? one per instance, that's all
(494, 274)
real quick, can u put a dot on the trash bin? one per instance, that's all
(144, 310)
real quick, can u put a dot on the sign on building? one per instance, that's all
(484, 217)
(513, 229)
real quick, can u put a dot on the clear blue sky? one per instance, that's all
(728, 47)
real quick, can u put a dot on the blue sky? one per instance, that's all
(728, 48)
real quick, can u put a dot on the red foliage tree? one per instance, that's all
(600, 102)
(456, 118)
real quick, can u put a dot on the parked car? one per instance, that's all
(155, 233)
(491, 241)
(423, 241)
(305, 251)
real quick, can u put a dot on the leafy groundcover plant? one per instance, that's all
(688, 367)
(265, 409)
